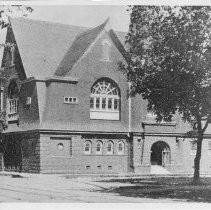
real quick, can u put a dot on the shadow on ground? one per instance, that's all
(161, 188)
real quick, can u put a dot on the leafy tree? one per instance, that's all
(12, 10)
(169, 64)
(5, 11)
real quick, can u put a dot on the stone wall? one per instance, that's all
(71, 159)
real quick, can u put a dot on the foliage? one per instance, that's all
(169, 59)
(12, 10)
(169, 65)
(5, 11)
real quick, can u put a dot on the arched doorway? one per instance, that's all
(160, 154)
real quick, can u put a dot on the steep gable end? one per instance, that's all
(78, 48)
(42, 45)
(83, 43)
(6, 59)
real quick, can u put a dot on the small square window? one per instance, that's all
(99, 167)
(70, 99)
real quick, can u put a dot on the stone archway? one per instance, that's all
(160, 154)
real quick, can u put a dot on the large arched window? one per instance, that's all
(105, 100)
(12, 108)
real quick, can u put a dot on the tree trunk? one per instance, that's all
(196, 177)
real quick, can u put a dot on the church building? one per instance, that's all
(68, 110)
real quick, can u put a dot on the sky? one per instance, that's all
(82, 15)
(85, 15)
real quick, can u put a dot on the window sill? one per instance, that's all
(102, 115)
(12, 117)
(104, 111)
(105, 155)
(163, 123)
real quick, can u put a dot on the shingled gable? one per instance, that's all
(81, 45)
(78, 48)
(47, 48)
(42, 45)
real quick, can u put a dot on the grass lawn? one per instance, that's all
(163, 187)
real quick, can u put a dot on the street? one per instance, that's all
(58, 188)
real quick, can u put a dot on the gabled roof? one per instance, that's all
(42, 45)
(79, 46)
(46, 48)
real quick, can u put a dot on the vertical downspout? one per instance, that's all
(130, 135)
(129, 114)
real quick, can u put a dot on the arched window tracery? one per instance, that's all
(105, 100)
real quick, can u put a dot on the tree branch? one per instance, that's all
(206, 124)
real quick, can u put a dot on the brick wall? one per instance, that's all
(73, 160)
(31, 153)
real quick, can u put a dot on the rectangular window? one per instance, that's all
(1, 98)
(103, 103)
(13, 106)
(110, 103)
(97, 103)
(66, 100)
(70, 100)
(92, 103)
(209, 147)
(71, 147)
(116, 104)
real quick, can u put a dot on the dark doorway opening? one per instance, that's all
(13, 156)
(160, 153)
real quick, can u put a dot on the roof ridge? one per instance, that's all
(92, 29)
(88, 38)
(48, 22)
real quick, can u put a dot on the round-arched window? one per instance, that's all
(87, 147)
(120, 148)
(105, 100)
(110, 148)
(99, 147)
